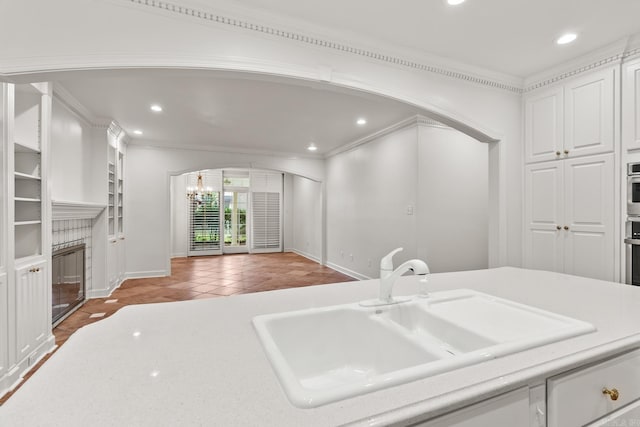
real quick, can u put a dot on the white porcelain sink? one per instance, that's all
(327, 354)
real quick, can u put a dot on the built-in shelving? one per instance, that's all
(27, 197)
(111, 191)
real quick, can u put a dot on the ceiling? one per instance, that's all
(205, 109)
(268, 114)
(515, 37)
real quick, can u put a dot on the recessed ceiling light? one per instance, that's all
(137, 132)
(566, 38)
(156, 108)
(361, 121)
(455, 2)
(312, 147)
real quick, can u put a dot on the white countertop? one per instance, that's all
(200, 362)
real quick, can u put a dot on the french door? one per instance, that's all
(236, 206)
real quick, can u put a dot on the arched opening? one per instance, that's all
(153, 160)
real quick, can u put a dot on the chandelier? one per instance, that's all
(199, 191)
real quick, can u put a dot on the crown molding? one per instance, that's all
(222, 149)
(417, 120)
(612, 54)
(61, 94)
(421, 62)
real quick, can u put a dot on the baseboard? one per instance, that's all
(179, 255)
(16, 375)
(348, 272)
(306, 255)
(145, 274)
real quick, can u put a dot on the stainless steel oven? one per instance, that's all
(633, 250)
(633, 189)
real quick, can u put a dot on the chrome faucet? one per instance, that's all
(388, 275)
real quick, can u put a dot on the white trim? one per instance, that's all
(145, 274)
(346, 271)
(71, 103)
(63, 210)
(306, 255)
(406, 123)
(137, 142)
(179, 255)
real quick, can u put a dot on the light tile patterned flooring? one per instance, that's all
(201, 277)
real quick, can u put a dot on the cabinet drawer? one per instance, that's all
(628, 416)
(576, 398)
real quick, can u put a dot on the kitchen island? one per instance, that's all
(200, 362)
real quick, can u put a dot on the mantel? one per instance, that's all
(62, 210)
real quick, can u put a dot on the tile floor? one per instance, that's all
(201, 277)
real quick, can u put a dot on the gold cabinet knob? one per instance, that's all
(613, 393)
(558, 227)
(566, 151)
(566, 227)
(557, 153)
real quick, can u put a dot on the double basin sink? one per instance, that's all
(323, 355)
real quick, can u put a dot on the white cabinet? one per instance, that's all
(569, 216)
(544, 132)
(589, 114)
(576, 119)
(510, 409)
(580, 397)
(4, 332)
(25, 286)
(32, 302)
(115, 207)
(631, 105)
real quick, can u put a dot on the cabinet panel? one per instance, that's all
(32, 308)
(631, 106)
(544, 125)
(511, 409)
(589, 214)
(576, 399)
(4, 321)
(589, 114)
(543, 215)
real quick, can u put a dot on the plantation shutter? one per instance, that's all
(266, 208)
(204, 215)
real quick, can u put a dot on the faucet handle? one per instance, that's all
(386, 263)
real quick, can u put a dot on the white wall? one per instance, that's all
(368, 192)
(461, 99)
(179, 217)
(307, 217)
(148, 202)
(453, 197)
(72, 157)
(423, 188)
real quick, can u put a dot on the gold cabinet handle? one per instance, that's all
(613, 393)
(566, 227)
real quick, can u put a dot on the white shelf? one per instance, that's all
(26, 199)
(18, 223)
(20, 175)
(24, 148)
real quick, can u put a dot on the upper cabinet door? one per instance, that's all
(590, 114)
(631, 106)
(544, 125)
